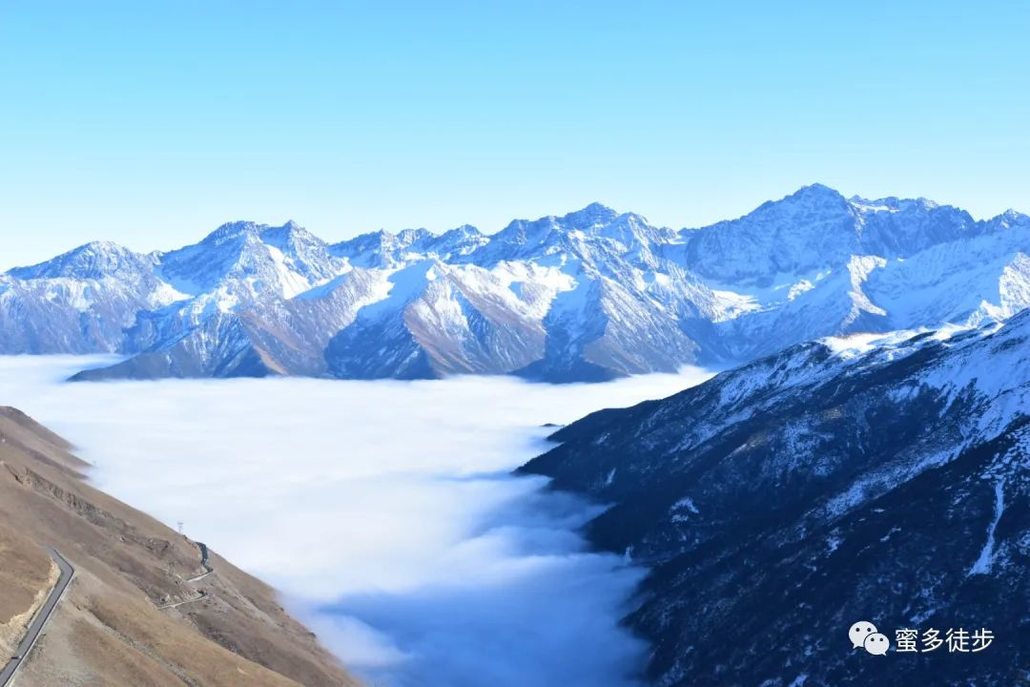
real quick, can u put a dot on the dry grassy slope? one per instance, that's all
(26, 575)
(108, 630)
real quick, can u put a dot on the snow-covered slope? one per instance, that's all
(841, 480)
(590, 295)
(80, 302)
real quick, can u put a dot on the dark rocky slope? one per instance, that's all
(780, 502)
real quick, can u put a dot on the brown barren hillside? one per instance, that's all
(108, 630)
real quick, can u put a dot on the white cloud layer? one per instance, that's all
(384, 511)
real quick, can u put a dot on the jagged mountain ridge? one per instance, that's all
(835, 481)
(590, 295)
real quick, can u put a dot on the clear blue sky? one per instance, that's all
(149, 123)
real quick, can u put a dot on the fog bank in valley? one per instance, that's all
(384, 511)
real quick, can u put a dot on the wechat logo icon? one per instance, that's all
(864, 635)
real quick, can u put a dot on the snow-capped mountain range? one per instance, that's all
(838, 480)
(588, 296)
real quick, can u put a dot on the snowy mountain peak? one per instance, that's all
(242, 229)
(585, 295)
(813, 195)
(232, 230)
(459, 242)
(593, 215)
(793, 235)
(890, 204)
(552, 237)
(818, 226)
(247, 259)
(94, 260)
(798, 212)
(1011, 218)
(407, 237)
(290, 236)
(242, 232)
(385, 249)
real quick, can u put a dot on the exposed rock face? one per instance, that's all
(780, 502)
(591, 295)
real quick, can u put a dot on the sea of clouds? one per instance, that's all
(385, 512)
